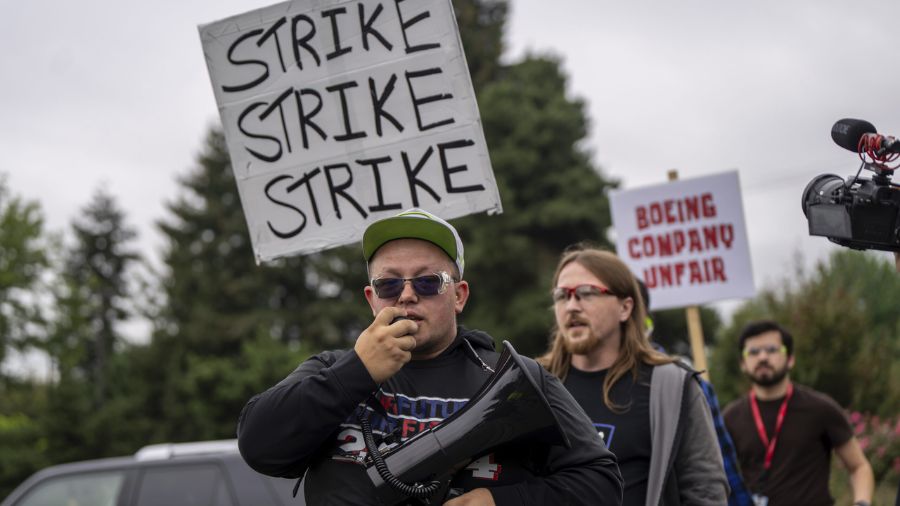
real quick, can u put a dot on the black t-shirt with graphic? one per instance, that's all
(626, 432)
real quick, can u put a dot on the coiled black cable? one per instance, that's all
(417, 490)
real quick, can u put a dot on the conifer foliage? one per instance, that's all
(553, 196)
(23, 259)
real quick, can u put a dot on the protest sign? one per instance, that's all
(685, 239)
(337, 113)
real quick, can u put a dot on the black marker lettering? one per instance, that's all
(425, 100)
(442, 149)
(406, 24)
(335, 35)
(306, 119)
(304, 42)
(290, 233)
(365, 27)
(378, 191)
(273, 30)
(336, 190)
(347, 135)
(378, 103)
(413, 180)
(277, 105)
(264, 65)
(305, 180)
(257, 154)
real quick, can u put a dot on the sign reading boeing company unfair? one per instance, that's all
(337, 113)
(685, 239)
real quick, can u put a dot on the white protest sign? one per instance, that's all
(685, 239)
(337, 113)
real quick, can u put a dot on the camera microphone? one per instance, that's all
(847, 133)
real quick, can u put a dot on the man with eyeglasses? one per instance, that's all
(410, 369)
(648, 406)
(784, 433)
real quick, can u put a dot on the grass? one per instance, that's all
(885, 490)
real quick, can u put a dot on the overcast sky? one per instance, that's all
(102, 92)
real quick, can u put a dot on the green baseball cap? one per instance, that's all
(414, 223)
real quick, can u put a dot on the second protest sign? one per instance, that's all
(686, 239)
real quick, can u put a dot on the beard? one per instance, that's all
(768, 377)
(582, 346)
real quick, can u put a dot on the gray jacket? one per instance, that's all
(685, 464)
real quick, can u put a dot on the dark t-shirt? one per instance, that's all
(626, 433)
(813, 426)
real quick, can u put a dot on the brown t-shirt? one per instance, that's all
(813, 426)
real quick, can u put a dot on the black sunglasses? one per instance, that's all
(424, 286)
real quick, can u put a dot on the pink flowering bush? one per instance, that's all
(880, 441)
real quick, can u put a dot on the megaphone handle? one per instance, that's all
(453, 492)
(416, 490)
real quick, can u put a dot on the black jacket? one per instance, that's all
(308, 423)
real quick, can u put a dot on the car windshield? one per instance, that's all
(95, 489)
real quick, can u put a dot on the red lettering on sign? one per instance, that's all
(674, 211)
(693, 272)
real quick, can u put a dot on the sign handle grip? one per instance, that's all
(695, 329)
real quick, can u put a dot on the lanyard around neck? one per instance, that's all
(761, 429)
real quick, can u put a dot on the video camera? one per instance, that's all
(858, 213)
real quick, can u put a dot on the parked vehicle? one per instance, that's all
(207, 473)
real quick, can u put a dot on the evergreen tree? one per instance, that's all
(96, 272)
(220, 307)
(23, 260)
(90, 307)
(481, 25)
(552, 195)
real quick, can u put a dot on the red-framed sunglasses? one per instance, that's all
(564, 293)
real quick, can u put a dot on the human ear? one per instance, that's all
(461, 292)
(369, 292)
(627, 306)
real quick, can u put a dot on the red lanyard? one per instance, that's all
(761, 429)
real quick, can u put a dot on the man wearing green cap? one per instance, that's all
(409, 370)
